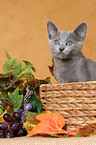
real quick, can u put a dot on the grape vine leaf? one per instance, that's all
(25, 70)
(12, 66)
(16, 99)
(7, 55)
(15, 67)
(29, 64)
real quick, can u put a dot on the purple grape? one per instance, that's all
(14, 126)
(15, 116)
(23, 115)
(27, 106)
(25, 131)
(23, 119)
(7, 117)
(0, 126)
(19, 111)
(20, 132)
(9, 133)
(1, 133)
(4, 125)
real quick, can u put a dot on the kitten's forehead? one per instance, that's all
(67, 36)
(64, 35)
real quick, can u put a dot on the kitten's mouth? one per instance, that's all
(62, 56)
(65, 56)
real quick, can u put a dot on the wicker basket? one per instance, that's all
(75, 101)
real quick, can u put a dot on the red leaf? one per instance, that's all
(51, 70)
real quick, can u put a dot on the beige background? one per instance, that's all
(23, 31)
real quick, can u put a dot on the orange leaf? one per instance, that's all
(51, 123)
(52, 118)
(73, 133)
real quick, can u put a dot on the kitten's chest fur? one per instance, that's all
(79, 69)
(62, 71)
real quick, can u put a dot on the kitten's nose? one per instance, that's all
(61, 48)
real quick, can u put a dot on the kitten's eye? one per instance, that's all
(56, 42)
(69, 43)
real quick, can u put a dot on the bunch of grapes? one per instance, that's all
(13, 125)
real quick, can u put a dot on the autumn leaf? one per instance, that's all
(2, 120)
(73, 133)
(31, 121)
(87, 130)
(51, 123)
(51, 67)
(31, 118)
(92, 133)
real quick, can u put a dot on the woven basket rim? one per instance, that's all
(72, 83)
(91, 85)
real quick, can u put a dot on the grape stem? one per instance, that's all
(14, 81)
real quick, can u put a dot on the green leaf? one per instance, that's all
(7, 55)
(30, 64)
(25, 73)
(27, 62)
(16, 99)
(28, 126)
(35, 101)
(25, 69)
(47, 80)
(12, 66)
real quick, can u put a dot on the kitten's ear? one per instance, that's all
(52, 29)
(80, 31)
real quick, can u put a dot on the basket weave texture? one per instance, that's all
(75, 101)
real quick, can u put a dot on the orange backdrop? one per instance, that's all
(23, 31)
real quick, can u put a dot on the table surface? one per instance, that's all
(49, 141)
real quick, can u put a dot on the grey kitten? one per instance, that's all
(69, 63)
